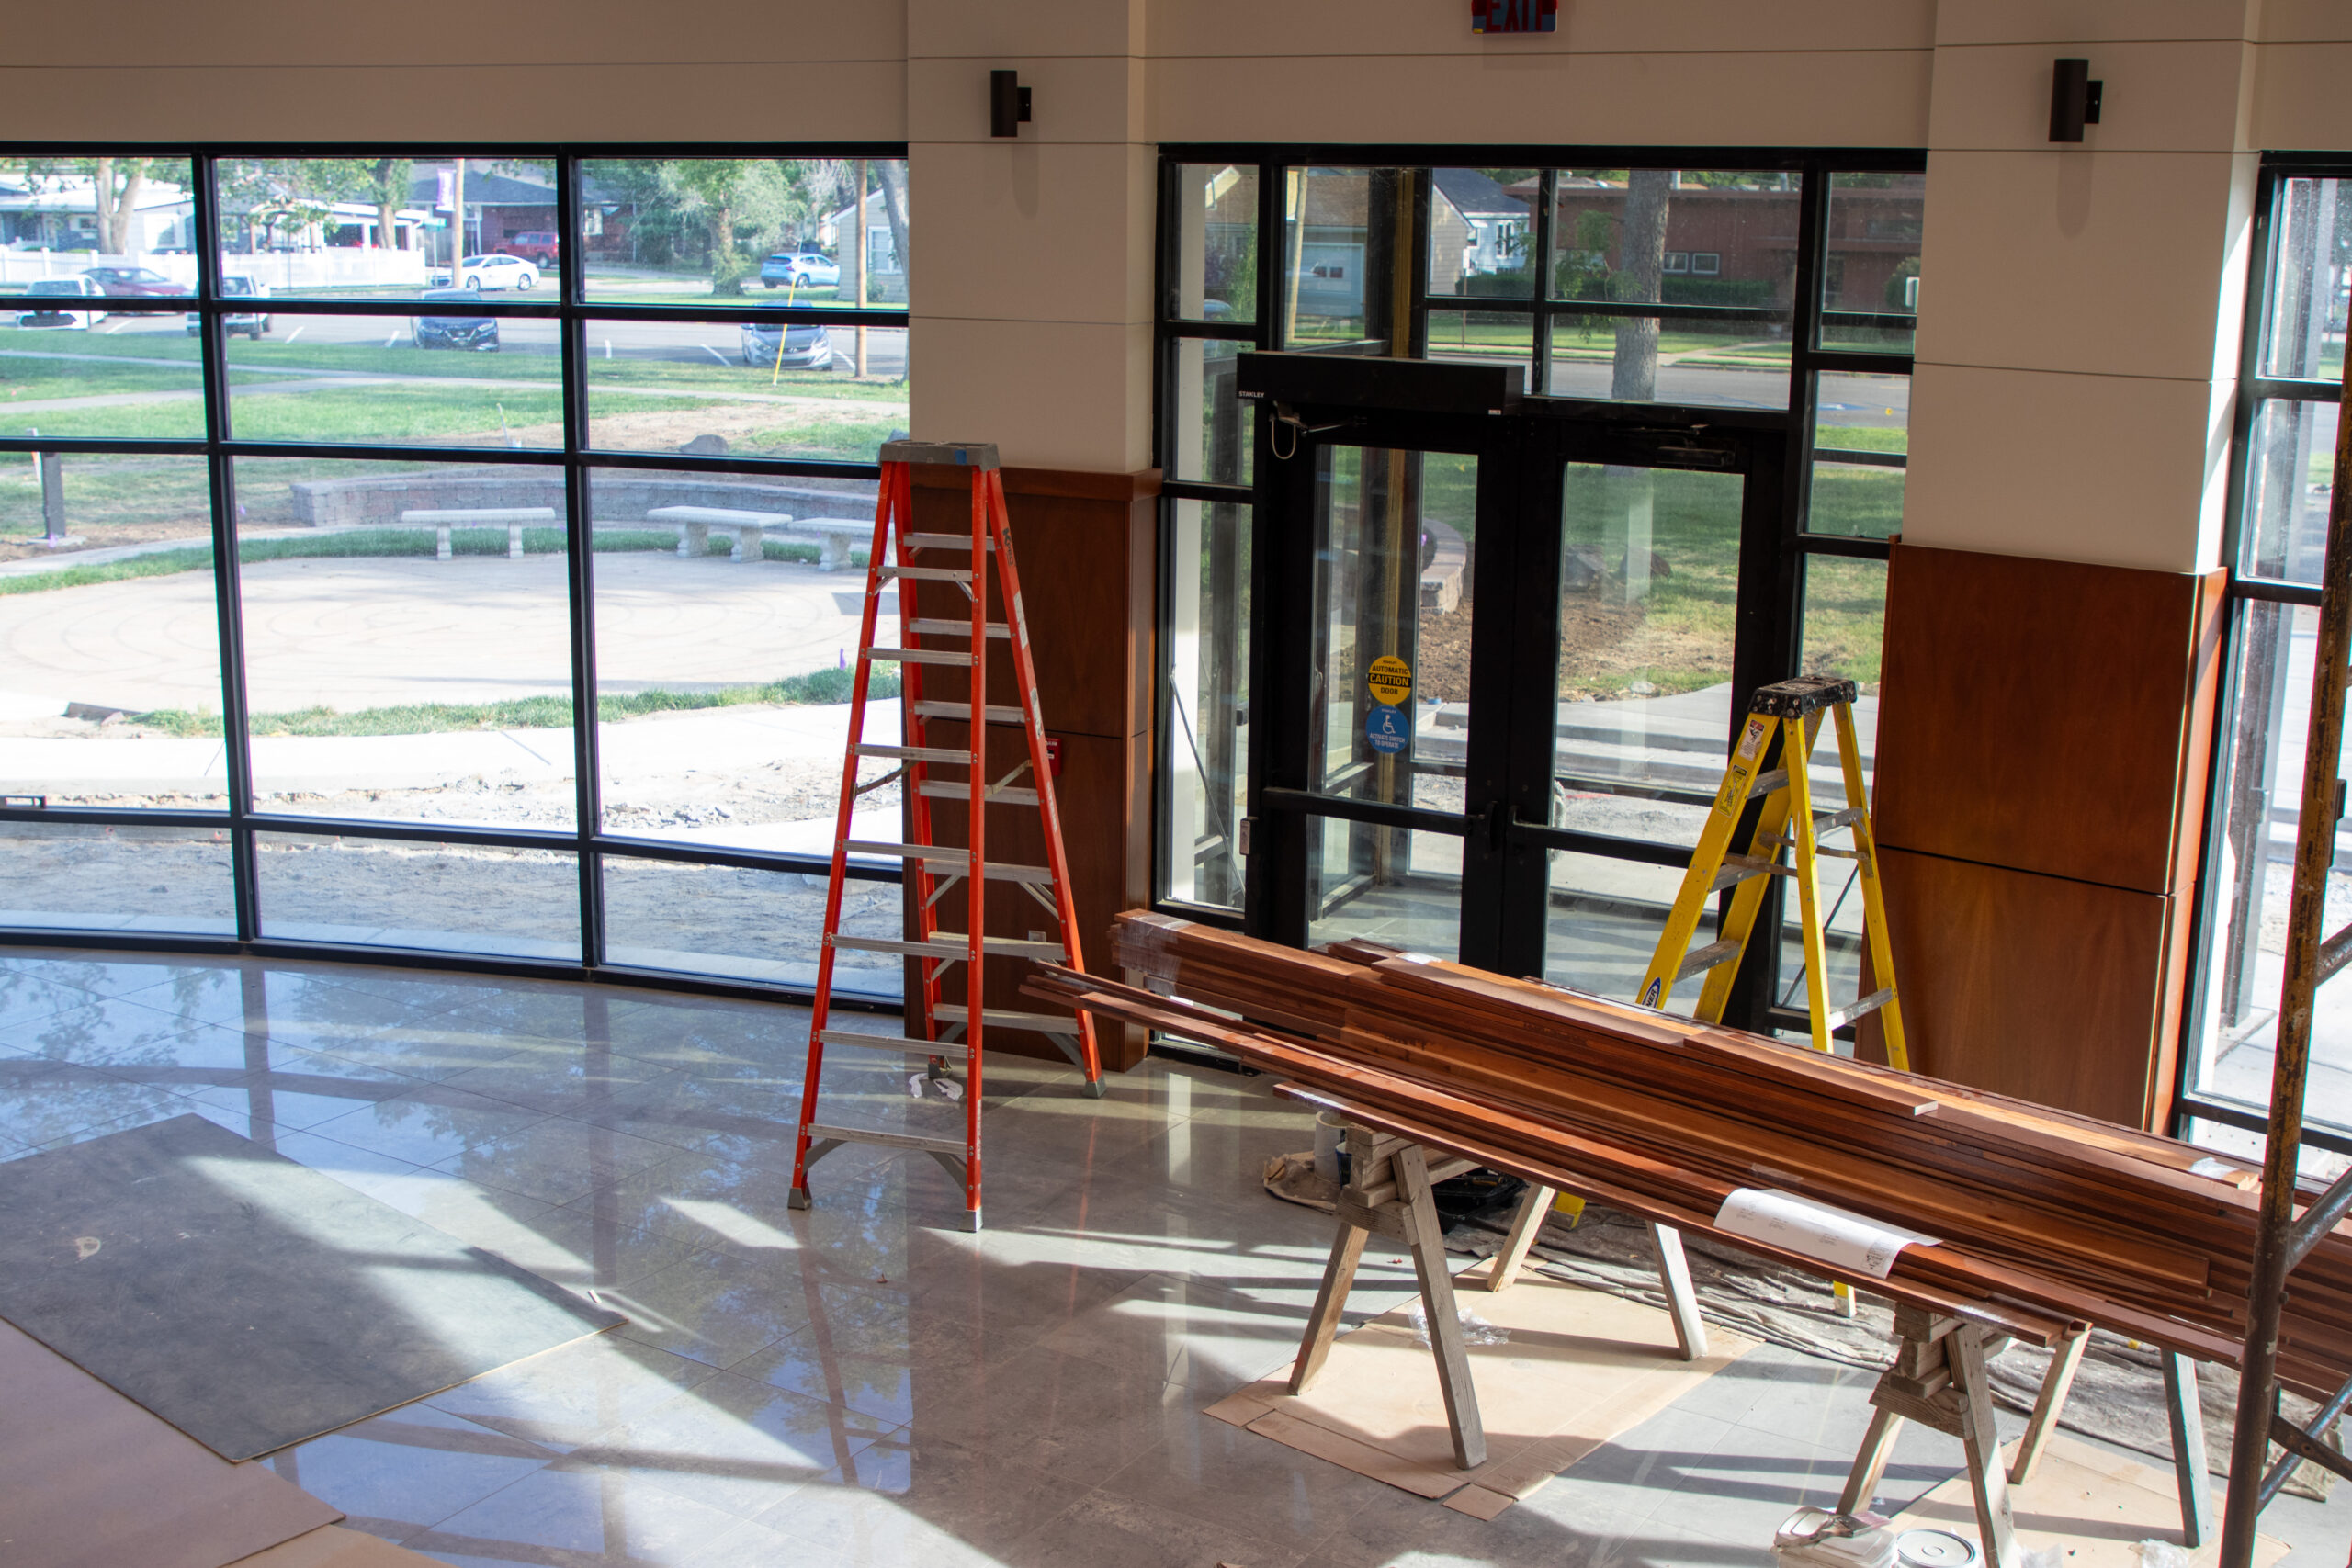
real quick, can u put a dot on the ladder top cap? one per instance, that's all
(1806, 695)
(953, 453)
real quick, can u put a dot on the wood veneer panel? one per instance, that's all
(1107, 844)
(2034, 713)
(1084, 545)
(2035, 987)
(1086, 573)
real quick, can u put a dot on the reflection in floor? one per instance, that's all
(863, 1384)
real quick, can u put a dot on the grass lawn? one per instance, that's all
(1684, 637)
(1857, 501)
(820, 686)
(1845, 618)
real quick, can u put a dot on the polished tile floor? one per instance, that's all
(865, 1384)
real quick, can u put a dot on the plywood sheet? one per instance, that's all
(2095, 1509)
(250, 1301)
(89, 1480)
(1575, 1368)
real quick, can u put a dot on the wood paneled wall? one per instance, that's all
(2045, 732)
(1083, 546)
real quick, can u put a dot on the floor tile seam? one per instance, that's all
(654, 1477)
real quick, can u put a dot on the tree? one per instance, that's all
(893, 174)
(1641, 264)
(116, 185)
(733, 199)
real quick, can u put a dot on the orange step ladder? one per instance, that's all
(905, 558)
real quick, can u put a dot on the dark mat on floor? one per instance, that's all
(250, 1301)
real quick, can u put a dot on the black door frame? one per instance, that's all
(1522, 455)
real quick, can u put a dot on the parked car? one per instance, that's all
(799, 268)
(803, 348)
(236, 286)
(539, 248)
(131, 282)
(489, 272)
(478, 334)
(58, 313)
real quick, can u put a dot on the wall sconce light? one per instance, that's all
(1009, 104)
(2074, 100)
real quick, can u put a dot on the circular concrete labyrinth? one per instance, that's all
(353, 633)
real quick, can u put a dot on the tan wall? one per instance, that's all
(2081, 306)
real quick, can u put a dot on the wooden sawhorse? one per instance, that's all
(1388, 1192)
(1939, 1379)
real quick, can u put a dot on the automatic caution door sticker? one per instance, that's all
(1390, 678)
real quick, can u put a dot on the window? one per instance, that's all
(516, 489)
(2290, 388)
(1740, 288)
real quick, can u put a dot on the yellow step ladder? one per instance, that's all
(1742, 851)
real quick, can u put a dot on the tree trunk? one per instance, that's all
(726, 276)
(1641, 261)
(894, 206)
(118, 207)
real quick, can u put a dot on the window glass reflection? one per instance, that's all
(780, 231)
(408, 650)
(110, 672)
(814, 392)
(1873, 264)
(381, 226)
(1216, 242)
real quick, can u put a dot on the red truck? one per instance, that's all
(538, 246)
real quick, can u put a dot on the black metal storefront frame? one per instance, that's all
(588, 844)
(1777, 444)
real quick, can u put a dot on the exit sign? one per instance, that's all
(1514, 15)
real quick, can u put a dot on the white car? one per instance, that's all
(494, 272)
(46, 305)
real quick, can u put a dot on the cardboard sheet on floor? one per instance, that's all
(89, 1480)
(2095, 1509)
(248, 1301)
(1575, 1368)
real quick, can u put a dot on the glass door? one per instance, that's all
(1394, 530)
(1644, 666)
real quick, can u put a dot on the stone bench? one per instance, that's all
(835, 537)
(694, 523)
(513, 519)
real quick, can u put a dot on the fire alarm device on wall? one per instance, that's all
(1514, 15)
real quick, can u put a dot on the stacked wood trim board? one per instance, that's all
(2041, 1218)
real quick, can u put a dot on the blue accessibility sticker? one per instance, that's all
(1390, 729)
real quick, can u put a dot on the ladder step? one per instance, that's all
(942, 789)
(929, 627)
(933, 573)
(997, 714)
(1018, 947)
(915, 753)
(1737, 869)
(2334, 952)
(1840, 1017)
(1830, 821)
(940, 947)
(942, 542)
(947, 854)
(956, 1147)
(896, 1043)
(1005, 1018)
(1767, 783)
(920, 656)
(1707, 958)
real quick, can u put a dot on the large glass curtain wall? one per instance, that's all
(1784, 286)
(443, 550)
(2290, 386)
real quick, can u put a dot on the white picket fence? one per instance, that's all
(281, 270)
